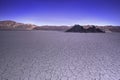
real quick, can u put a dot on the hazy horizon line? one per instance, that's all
(58, 24)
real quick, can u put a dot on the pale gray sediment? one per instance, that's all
(50, 55)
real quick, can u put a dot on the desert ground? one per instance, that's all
(52, 55)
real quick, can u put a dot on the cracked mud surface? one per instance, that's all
(47, 55)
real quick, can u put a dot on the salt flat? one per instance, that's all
(50, 55)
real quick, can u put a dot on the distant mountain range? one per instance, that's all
(12, 25)
(53, 28)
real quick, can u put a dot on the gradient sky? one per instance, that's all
(61, 12)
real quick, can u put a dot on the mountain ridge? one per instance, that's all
(13, 25)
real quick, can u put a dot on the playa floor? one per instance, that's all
(51, 55)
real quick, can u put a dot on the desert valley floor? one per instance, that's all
(51, 55)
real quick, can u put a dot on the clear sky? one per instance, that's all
(61, 12)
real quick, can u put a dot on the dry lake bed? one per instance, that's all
(51, 55)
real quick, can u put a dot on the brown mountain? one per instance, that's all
(110, 28)
(12, 25)
(53, 28)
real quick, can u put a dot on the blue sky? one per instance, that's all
(61, 12)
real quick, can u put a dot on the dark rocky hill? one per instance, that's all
(81, 29)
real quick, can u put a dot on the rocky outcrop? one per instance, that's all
(81, 29)
(94, 30)
(76, 28)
